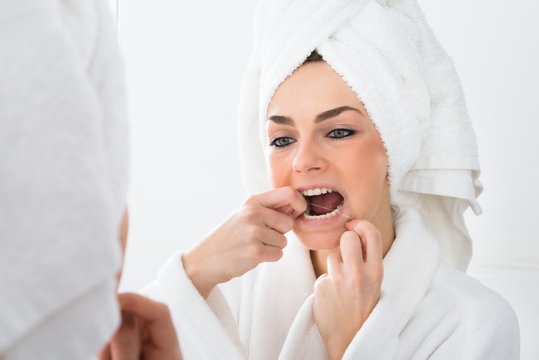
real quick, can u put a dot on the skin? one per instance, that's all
(342, 149)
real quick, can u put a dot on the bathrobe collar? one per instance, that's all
(283, 298)
(409, 266)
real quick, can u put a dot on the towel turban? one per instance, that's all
(387, 53)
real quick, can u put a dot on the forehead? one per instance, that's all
(312, 88)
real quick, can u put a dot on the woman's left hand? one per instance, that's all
(346, 295)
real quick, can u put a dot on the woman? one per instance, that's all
(371, 127)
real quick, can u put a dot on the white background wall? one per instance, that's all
(185, 62)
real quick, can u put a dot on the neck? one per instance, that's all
(383, 222)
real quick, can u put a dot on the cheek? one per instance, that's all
(366, 175)
(278, 170)
(372, 154)
(363, 163)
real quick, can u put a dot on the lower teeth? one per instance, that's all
(324, 216)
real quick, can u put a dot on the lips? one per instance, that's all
(323, 203)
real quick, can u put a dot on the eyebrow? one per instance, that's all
(286, 120)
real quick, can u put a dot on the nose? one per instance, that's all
(308, 158)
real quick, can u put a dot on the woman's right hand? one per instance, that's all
(345, 296)
(254, 234)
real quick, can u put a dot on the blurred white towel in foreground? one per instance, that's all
(63, 177)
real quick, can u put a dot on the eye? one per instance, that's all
(340, 133)
(282, 141)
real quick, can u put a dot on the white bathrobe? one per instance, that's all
(63, 177)
(427, 309)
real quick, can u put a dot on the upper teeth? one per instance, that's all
(317, 191)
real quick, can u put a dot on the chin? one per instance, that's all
(321, 240)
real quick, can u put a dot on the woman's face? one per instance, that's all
(320, 140)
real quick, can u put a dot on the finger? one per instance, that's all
(126, 343)
(271, 253)
(146, 308)
(282, 198)
(276, 220)
(334, 263)
(371, 239)
(104, 354)
(287, 210)
(351, 250)
(274, 239)
(351, 226)
(157, 319)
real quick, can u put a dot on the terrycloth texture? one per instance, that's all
(63, 177)
(441, 314)
(388, 55)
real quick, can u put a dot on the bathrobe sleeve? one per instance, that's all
(207, 329)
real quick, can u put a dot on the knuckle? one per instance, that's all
(255, 233)
(256, 251)
(251, 200)
(321, 284)
(250, 213)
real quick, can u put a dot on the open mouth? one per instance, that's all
(322, 203)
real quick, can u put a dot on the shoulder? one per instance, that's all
(481, 312)
(470, 296)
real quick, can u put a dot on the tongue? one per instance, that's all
(325, 203)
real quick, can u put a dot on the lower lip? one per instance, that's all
(337, 218)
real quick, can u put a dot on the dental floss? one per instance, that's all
(338, 212)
